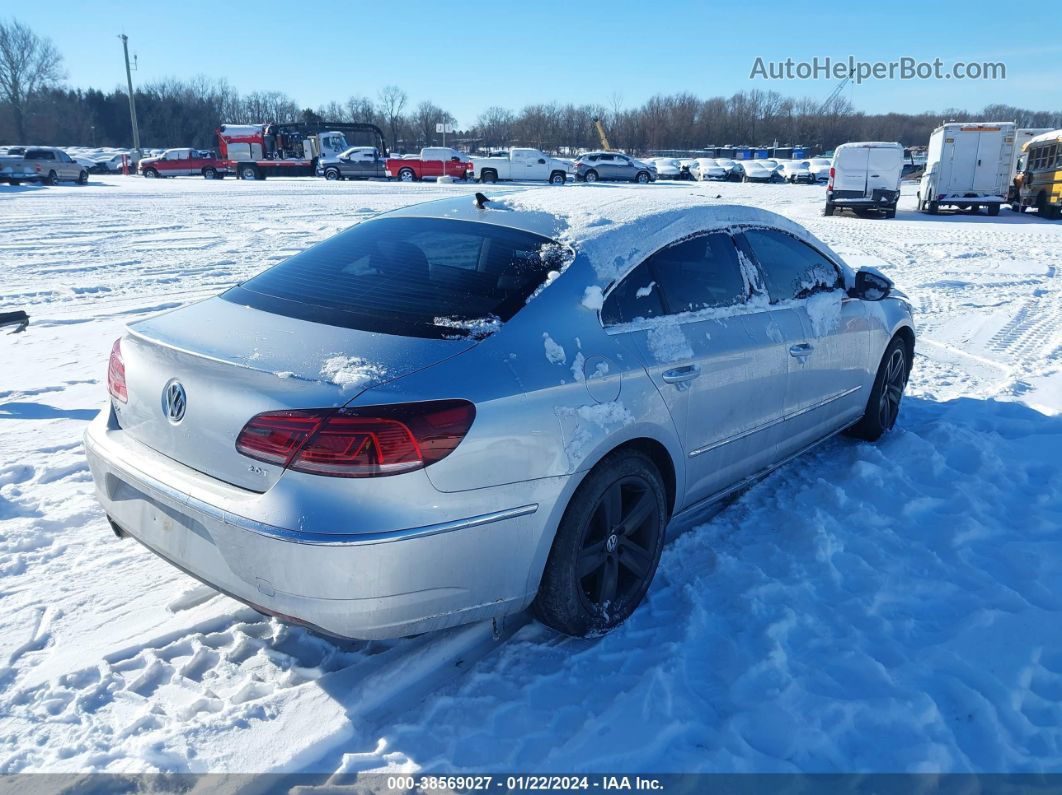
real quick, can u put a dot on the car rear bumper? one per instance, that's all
(979, 198)
(18, 173)
(879, 198)
(472, 564)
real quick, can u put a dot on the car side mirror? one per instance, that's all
(541, 161)
(870, 285)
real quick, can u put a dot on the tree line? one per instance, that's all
(35, 107)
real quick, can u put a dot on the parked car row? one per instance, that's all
(969, 166)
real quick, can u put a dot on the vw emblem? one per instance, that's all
(174, 401)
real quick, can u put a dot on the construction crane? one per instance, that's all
(601, 135)
(835, 93)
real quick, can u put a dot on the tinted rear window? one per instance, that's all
(40, 154)
(421, 277)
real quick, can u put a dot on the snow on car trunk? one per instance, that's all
(234, 362)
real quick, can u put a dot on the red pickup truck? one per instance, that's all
(183, 163)
(434, 161)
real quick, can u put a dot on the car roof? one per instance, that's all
(870, 145)
(615, 226)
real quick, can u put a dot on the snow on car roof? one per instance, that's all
(871, 145)
(616, 227)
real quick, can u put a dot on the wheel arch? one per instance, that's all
(656, 452)
(652, 448)
(906, 333)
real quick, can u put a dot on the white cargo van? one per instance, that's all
(968, 166)
(865, 176)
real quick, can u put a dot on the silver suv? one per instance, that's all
(594, 166)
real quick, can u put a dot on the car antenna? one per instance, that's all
(481, 200)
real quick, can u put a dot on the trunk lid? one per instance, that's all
(234, 362)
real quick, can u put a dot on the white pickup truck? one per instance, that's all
(529, 164)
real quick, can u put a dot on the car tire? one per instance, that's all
(890, 212)
(598, 570)
(247, 172)
(933, 207)
(828, 209)
(51, 179)
(488, 176)
(883, 406)
(150, 173)
(210, 173)
(642, 177)
(590, 176)
(993, 209)
(82, 178)
(558, 178)
(406, 175)
(332, 174)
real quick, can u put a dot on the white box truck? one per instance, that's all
(864, 177)
(968, 166)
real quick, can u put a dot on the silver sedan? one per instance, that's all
(463, 408)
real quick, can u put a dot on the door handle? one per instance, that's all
(679, 374)
(802, 350)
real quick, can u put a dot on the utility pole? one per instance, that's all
(132, 101)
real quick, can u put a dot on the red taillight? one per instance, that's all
(361, 442)
(116, 374)
(832, 172)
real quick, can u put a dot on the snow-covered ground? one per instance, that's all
(871, 607)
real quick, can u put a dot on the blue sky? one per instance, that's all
(466, 56)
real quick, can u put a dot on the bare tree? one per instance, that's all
(426, 117)
(392, 103)
(495, 126)
(361, 110)
(28, 64)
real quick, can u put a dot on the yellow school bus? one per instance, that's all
(1039, 180)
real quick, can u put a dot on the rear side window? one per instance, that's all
(634, 298)
(419, 277)
(695, 274)
(40, 154)
(791, 268)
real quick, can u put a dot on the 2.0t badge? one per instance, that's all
(174, 401)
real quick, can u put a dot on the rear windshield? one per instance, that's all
(419, 277)
(40, 154)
